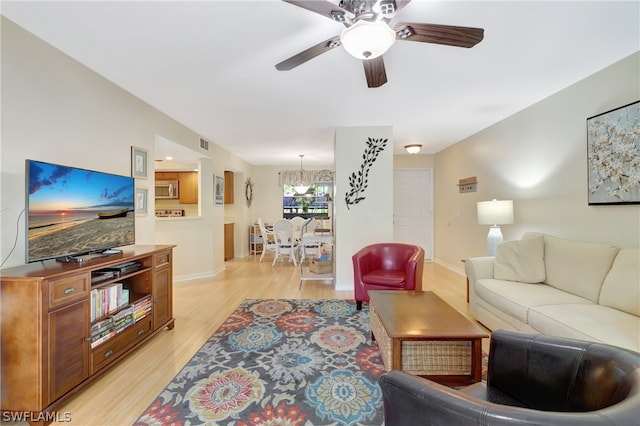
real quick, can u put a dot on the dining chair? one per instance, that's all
(269, 241)
(286, 243)
(298, 223)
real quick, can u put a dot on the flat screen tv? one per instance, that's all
(73, 212)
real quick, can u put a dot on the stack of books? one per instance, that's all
(101, 331)
(142, 308)
(123, 319)
(104, 329)
(107, 299)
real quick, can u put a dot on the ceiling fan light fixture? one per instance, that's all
(367, 40)
(413, 148)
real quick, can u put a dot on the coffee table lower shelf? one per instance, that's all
(451, 362)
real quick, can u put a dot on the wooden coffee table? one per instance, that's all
(419, 333)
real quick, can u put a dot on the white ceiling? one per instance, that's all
(210, 65)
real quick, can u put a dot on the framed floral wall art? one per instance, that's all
(613, 156)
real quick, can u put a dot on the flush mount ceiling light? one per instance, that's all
(367, 40)
(413, 148)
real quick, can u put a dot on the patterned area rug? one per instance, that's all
(279, 362)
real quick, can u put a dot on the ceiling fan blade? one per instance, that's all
(439, 34)
(400, 4)
(324, 8)
(375, 72)
(309, 53)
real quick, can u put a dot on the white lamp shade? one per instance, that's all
(495, 212)
(367, 40)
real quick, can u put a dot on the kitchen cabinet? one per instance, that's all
(188, 182)
(228, 187)
(166, 175)
(228, 241)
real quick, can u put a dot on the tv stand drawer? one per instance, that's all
(105, 354)
(68, 289)
(162, 260)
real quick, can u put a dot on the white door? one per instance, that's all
(413, 208)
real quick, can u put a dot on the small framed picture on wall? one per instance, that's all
(139, 163)
(218, 185)
(141, 201)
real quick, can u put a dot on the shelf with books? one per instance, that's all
(115, 307)
(101, 331)
(142, 308)
(108, 299)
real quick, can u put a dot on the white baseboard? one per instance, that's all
(191, 277)
(459, 269)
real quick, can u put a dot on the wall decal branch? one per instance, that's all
(359, 181)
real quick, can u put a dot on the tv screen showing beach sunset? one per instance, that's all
(72, 211)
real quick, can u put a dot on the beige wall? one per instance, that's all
(536, 157)
(417, 161)
(55, 109)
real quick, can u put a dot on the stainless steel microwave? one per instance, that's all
(167, 189)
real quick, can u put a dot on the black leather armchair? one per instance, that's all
(531, 380)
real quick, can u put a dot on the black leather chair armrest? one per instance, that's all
(413, 401)
(410, 401)
(556, 374)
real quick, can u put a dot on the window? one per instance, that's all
(314, 203)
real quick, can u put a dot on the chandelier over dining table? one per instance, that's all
(301, 186)
(310, 178)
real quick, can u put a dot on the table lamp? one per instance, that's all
(495, 213)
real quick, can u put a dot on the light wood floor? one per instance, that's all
(200, 307)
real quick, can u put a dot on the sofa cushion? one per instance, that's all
(515, 299)
(520, 260)
(577, 267)
(621, 288)
(595, 323)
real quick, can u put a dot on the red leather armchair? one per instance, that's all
(386, 266)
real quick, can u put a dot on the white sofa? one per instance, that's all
(544, 284)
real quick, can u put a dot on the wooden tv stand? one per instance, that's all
(49, 336)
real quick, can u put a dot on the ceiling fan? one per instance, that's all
(368, 35)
